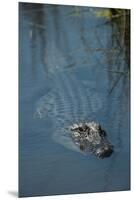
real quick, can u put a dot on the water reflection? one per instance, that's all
(74, 65)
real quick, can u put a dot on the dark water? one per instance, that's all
(74, 66)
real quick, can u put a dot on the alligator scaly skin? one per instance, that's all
(70, 101)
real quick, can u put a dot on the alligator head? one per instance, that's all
(90, 137)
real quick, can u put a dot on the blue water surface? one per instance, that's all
(73, 67)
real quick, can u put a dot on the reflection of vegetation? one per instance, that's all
(109, 13)
(114, 44)
(103, 13)
(76, 11)
(120, 72)
(119, 62)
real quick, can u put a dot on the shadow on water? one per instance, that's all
(74, 66)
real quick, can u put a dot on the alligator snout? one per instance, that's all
(105, 151)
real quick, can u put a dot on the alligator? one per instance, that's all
(71, 99)
(66, 107)
(90, 137)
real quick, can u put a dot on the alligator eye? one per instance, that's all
(80, 129)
